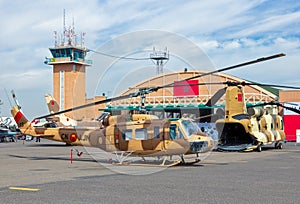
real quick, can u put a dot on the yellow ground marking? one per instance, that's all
(23, 189)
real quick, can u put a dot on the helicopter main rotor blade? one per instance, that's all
(243, 83)
(85, 106)
(222, 70)
(290, 108)
(214, 99)
(143, 91)
(277, 104)
(272, 85)
(234, 83)
(238, 65)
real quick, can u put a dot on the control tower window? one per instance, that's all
(68, 52)
(78, 54)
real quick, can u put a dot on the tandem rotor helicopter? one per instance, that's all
(146, 135)
(247, 129)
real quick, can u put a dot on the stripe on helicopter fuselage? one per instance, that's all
(18, 116)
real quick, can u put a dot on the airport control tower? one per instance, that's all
(69, 64)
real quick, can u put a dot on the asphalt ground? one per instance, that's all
(42, 173)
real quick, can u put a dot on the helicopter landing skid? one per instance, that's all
(121, 156)
(188, 161)
(158, 163)
(164, 163)
(148, 164)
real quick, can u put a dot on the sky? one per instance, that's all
(202, 35)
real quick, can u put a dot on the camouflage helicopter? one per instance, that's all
(249, 129)
(103, 122)
(136, 135)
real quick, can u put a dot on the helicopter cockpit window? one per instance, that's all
(141, 134)
(173, 131)
(180, 134)
(190, 127)
(50, 125)
(156, 132)
(127, 134)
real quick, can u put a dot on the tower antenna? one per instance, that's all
(73, 33)
(55, 39)
(159, 57)
(64, 28)
(82, 39)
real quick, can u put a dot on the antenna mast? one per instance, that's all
(68, 37)
(82, 39)
(73, 33)
(1, 103)
(64, 28)
(55, 39)
(159, 57)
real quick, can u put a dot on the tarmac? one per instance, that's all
(43, 173)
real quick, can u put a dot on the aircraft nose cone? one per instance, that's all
(198, 146)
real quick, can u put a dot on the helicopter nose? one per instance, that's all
(199, 147)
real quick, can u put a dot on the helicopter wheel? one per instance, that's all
(258, 148)
(219, 150)
(279, 146)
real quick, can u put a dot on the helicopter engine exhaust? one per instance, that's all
(234, 137)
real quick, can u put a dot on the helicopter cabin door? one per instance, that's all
(157, 140)
(174, 139)
(160, 133)
(175, 132)
(124, 136)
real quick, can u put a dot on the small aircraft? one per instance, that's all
(7, 135)
(247, 130)
(8, 132)
(133, 134)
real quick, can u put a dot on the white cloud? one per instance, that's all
(276, 24)
(26, 80)
(210, 44)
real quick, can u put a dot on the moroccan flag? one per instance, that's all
(186, 88)
(240, 97)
